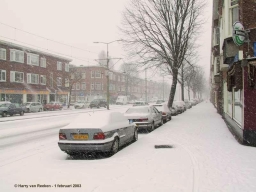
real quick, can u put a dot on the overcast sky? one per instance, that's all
(77, 23)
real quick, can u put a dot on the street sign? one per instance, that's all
(239, 34)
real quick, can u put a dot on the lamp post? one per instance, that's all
(107, 70)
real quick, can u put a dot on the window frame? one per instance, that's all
(13, 80)
(231, 7)
(29, 59)
(1, 71)
(78, 86)
(44, 63)
(66, 67)
(3, 51)
(16, 51)
(29, 78)
(97, 74)
(43, 77)
(59, 66)
(59, 81)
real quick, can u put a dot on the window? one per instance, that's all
(2, 75)
(43, 79)
(83, 86)
(43, 62)
(83, 75)
(51, 79)
(234, 14)
(97, 86)
(2, 54)
(32, 59)
(97, 74)
(238, 107)
(17, 77)
(118, 78)
(32, 78)
(92, 86)
(92, 74)
(59, 65)
(59, 81)
(17, 56)
(66, 67)
(66, 82)
(77, 86)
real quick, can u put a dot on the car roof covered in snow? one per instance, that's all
(106, 121)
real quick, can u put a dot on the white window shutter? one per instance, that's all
(28, 77)
(12, 76)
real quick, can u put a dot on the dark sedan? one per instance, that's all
(10, 109)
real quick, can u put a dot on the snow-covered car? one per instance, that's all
(181, 107)
(166, 113)
(159, 101)
(140, 103)
(33, 107)
(188, 104)
(146, 117)
(80, 105)
(97, 132)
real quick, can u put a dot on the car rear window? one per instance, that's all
(138, 110)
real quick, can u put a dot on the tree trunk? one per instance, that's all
(182, 82)
(69, 99)
(173, 89)
(188, 93)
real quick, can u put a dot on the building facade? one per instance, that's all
(28, 75)
(233, 77)
(94, 85)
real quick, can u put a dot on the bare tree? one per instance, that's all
(131, 72)
(198, 81)
(74, 76)
(161, 33)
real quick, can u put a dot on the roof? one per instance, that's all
(34, 50)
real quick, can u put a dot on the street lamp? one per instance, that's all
(107, 70)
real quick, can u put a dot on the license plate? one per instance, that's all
(80, 136)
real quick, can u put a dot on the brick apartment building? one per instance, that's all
(233, 67)
(94, 85)
(29, 75)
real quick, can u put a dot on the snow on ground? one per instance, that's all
(205, 157)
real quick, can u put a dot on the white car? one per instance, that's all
(146, 117)
(80, 105)
(33, 107)
(166, 112)
(180, 105)
(97, 132)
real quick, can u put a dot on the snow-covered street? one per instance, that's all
(205, 157)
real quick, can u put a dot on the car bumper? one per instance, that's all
(142, 125)
(85, 147)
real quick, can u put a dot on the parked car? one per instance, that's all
(122, 100)
(159, 101)
(174, 110)
(180, 106)
(166, 113)
(10, 109)
(53, 106)
(188, 104)
(98, 103)
(88, 134)
(145, 117)
(33, 107)
(79, 105)
(140, 103)
(3, 102)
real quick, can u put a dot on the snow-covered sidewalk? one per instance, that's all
(205, 158)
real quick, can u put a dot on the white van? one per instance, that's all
(122, 100)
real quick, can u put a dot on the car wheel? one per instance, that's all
(4, 114)
(115, 146)
(170, 118)
(135, 136)
(162, 122)
(152, 127)
(21, 113)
